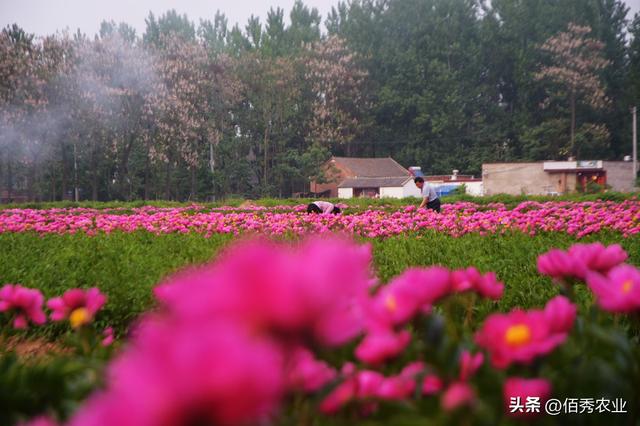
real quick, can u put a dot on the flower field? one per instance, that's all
(575, 218)
(485, 314)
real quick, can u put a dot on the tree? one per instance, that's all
(576, 60)
(339, 100)
(634, 61)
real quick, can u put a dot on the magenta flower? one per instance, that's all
(596, 257)
(24, 303)
(557, 264)
(176, 373)
(306, 373)
(464, 279)
(619, 290)
(317, 291)
(396, 388)
(458, 394)
(406, 295)
(432, 384)
(520, 395)
(488, 286)
(560, 314)
(77, 305)
(108, 337)
(469, 364)
(368, 384)
(470, 279)
(341, 395)
(382, 344)
(581, 259)
(518, 336)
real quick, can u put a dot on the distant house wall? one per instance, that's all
(532, 179)
(410, 189)
(345, 192)
(474, 188)
(392, 192)
(519, 178)
(620, 175)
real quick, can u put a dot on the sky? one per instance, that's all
(44, 17)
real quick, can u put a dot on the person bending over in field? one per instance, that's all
(430, 198)
(323, 207)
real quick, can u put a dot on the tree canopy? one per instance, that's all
(197, 110)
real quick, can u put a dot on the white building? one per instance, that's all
(349, 177)
(392, 187)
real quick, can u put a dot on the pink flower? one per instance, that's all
(557, 264)
(319, 290)
(411, 370)
(396, 388)
(596, 257)
(401, 299)
(458, 394)
(464, 279)
(488, 286)
(560, 314)
(341, 395)
(188, 373)
(108, 336)
(470, 279)
(368, 383)
(431, 385)
(581, 259)
(518, 392)
(307, 373)
(24, 303)
(518, 336)
(619, 290)
(382, 344)
(469, 364)
(77, 305)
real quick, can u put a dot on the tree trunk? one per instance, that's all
(146, 178)
(94, 174)
(9, 179)
(266, 150)
(194, 185)
(573, 123)
(125, 187)
(63, 182)
(53, 183)
(30, 175)
(167, 181)
(212, 168)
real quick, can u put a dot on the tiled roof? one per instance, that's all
(372, 167)
(373, 182)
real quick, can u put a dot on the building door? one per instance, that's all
(585, 178)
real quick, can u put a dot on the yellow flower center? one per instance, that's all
(627, 286)
(390, 303)
(518, 335)
(79, 317)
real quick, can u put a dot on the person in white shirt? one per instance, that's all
(323, 207)
(430, 198)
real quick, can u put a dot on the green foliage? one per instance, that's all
(127, 266)
(52, 386)
(124, 266)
